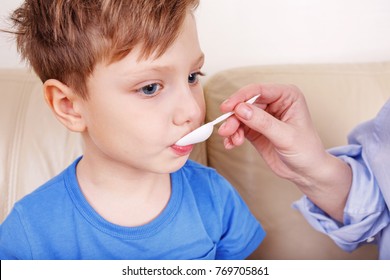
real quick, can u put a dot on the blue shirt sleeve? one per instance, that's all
(242, 233)
(365, 213)
(13, 238)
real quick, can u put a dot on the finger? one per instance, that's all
(262, 122)
(235, 140)
(240, 96)
(228, 144)
(269, 93)
(238, 137)
(229, 127)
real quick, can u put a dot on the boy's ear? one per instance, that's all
(63, 102)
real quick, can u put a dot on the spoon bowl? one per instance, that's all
(196, 136)
(203, 132)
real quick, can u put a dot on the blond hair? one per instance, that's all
(65, 39)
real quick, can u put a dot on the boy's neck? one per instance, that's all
(123, 198)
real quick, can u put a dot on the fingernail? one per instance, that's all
(244, 111)
(226, 101)
(223, 125)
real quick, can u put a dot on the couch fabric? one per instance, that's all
(34, 146)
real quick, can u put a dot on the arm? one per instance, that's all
(279, 126)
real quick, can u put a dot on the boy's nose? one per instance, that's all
(190, 108)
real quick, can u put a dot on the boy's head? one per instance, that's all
(66, 39)
(123, 73)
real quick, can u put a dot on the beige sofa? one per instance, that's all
(34, 146)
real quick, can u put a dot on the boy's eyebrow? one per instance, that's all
(200, 60)
(160, 68)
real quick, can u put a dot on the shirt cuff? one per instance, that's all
(365, 212)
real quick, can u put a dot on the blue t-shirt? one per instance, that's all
(205, 219)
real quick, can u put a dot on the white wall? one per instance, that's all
(8, 55)
(245, 32)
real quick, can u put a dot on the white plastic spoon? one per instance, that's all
(203, 132)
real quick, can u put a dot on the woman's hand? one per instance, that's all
(280, 127)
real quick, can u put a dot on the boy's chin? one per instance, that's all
(174, 165)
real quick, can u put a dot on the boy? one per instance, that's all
(124, 74)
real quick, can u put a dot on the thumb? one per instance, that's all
(259, 120)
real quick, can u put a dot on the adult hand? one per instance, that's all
(279, 126)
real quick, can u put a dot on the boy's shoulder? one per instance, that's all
(47, 189)
(48, 194)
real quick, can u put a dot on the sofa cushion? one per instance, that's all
(34, 145)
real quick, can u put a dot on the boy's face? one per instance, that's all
(138, 109)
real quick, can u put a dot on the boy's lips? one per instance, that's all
(182, 150)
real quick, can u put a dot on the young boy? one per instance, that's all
(124, 74)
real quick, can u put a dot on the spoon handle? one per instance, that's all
(221, 118)
(225, 116)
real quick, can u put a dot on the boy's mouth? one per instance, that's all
(182, 150)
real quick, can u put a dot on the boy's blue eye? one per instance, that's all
(150, 89)
(193, 78)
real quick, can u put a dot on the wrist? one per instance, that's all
(327, 185)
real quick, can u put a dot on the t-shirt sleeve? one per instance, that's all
(13, 238)
(241, 231)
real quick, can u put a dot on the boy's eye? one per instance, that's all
(194, 77)
(150, 89)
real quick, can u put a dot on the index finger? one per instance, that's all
(269, 93)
